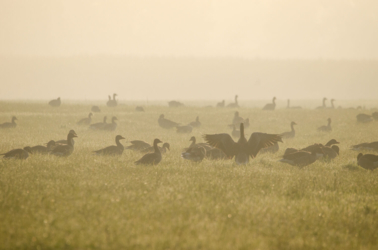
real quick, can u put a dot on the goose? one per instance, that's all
(18, 153)
(138, 145)
(326, 128)
(292, 107)
(184, 129)
(112, 103)
(242, 149)
(331, 152)
(12, 124)
(367, 161)
(270, 106)
(332, 104)
(139, 109)
(364, 118)
(65, 150)
(39, 149)
(112, 150)
(151, 158)
(111, 126)
(290, 134)
(312, 147)
(220, 104)
(64, 141)
(96, 109)
(99, 125)
(194, 144)
(85, 121)
(234, 104)
(237, 119)
(163, 149)
(196, 154)
(196, 123)
(366, 146)
(55, 102)
(375, 115)
(302, 158)
(175, 104)
(165, 123)
(324, 104)
(235, 133)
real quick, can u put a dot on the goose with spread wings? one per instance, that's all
(242, 149)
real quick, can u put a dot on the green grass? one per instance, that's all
(97, 202)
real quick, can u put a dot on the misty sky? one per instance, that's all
(251, 28)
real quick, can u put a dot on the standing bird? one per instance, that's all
(165, 123)
(55, 102)
(234, 104)
(290, 134)
(332, 104)
(195, 154)
(312, 147)
(138, 145)
(18, 153)
(151, 158)
(85, 121)
(196, 123)
(194, 144)
(98, 125)
(12, 124)
(324, 104)
(220, 104)
(242, 149)
(39, 149)
(302, 158)
(270, 106)
(111, 126)
(112, 103)
(64, 141)
(163, 149)
(292, 107)
(364, 118)
(65, 150)
(96, 109)
(367, 161)
(112, 150)
(326, 128)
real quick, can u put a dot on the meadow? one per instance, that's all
(87, 201)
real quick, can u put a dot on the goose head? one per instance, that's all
(161, 116)
(166, 145)
(119, 137)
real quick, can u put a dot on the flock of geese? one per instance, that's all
(216, 146)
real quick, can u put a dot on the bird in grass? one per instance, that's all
(364, 118)
(96, 109)
(163, 149)
(366, 146)
(65, 141)
(234, 104)
(112, 102)
(367, 161)
(12, 124)
(85, 121)
(138, 145)
(39, 149)
(55, 103)
(270, 106)
(326, 128)
(112, 150)
(324, 106)
(111, 126)
(302, 158)
(65, 150)
(98, 125)
(242, 149)
(289, 134)
(175, 104)
(151, 158)
(196, 123)
(139, 109)
(165, 123)
(18, 153)
(196, 154)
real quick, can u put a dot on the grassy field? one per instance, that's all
(97, 202)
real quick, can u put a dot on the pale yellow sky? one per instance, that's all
(251, 28)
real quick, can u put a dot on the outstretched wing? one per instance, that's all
(259, 140)
(224, 142)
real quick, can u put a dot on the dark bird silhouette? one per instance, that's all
(99, 125)
(324, 104)
(175, 104)
(55, 102)
(302, 158)
(327, 128)
(292, 107)
(64, 141)
(165, 123)
(364, 118)
(139, 109)
(112, 150)
(112, 103)
(195, 144)
(65, 150)
(18, 153)
(289, 134)
(111, 126)
(12, 124)
(151, 158)
(138, 145)
(242, 149)
(234, 104)
(332, 104)
(366, 146)
(220, 104)
(96, 109)
(85, 121)
(196, 123)
(312, 147)
(367, 161)
(163, 149)
(39, 149)
(270, 106)
(196, 154)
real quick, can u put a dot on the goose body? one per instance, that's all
(301, 158)
(96, 109)
(270, 106)
(196, 154)
(194, 144)
(85, 121)
(242, 149)
(112, 150)
(196, 123)
(271, 149)
(138, 145)
(112, 102)
(12, 124)
(151, 158)
(367, 161)
(234, 104)
(165, 123)
(65, 150)
(39, 149)
(366, 146)
(163, 149)
(111, 126)
(324, 104)
(290, 134)
(327, 128)
(65, 141)
(220, 104)
(364, 118)
(175, 104)
(313, 147)
(139, 109)
(99, 125)
(18, 153)
(332, 104)
(55, 103)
